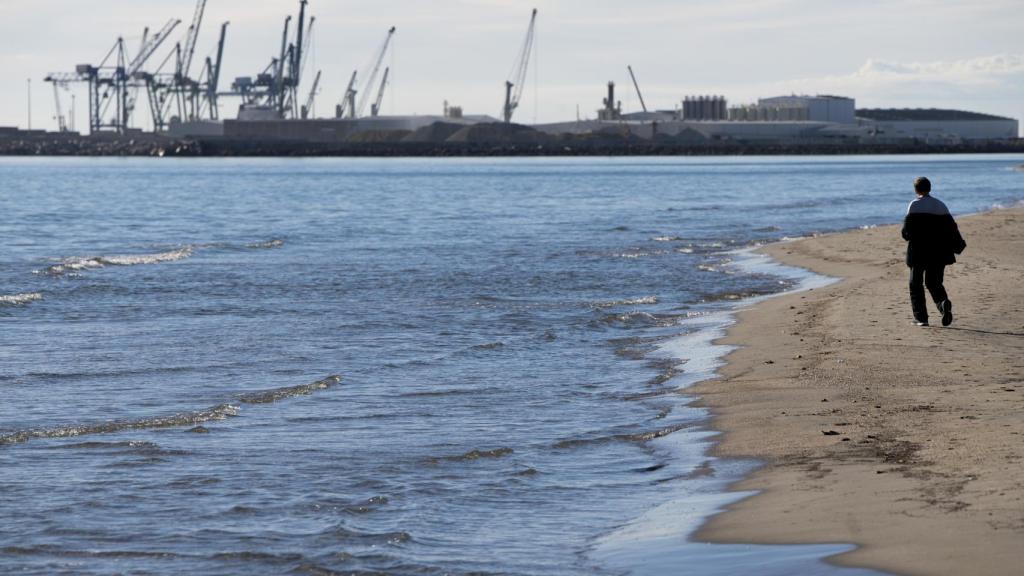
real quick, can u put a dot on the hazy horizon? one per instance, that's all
(902, 54)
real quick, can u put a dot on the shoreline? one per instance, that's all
(901, 440)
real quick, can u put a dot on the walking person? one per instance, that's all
(933, 239)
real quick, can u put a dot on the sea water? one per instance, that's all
(288, 366)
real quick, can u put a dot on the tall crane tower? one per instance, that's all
(349, 107)
(372, 79)
(107, 84)
(273, 93)
(514, 85)
(375, 106)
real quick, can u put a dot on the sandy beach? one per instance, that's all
(907, 441)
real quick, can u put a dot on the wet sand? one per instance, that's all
(906, 441)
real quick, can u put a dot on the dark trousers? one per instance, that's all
(930, 277)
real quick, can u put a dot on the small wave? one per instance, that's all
(370, 505)
(644, 300)
(744, 294)
(489, 346)
(629, 254)
(474, 455)
(1002, 206)
(638, 253)
(275, 243)
(46, 550)
(652, 394)
(721, 267)
(345, 535)
(450, 392)
(631, 437)
(79, 263)
(250, 556)
(20, 299)
(219, 412)
(636, 319)
(666, 239)
(269, 396)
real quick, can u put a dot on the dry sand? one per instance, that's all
(906, 441)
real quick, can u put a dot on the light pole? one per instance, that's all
(29, 103)
(72, 111)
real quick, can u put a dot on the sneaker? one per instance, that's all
(947, 312)
(919, 323)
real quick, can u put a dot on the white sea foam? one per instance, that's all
(658, 542)
(79, 263)
(644, 300)
(20, 299)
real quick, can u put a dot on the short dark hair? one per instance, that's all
(922, 185)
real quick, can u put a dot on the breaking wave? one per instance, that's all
(181, 419)
(627, 302)
(79, 263)
(474, 455)
(20, 299)
(637, 319)
(270, 396)
(219, 412)
(631, 437)
(274, 243)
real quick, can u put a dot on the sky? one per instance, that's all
(966, 55)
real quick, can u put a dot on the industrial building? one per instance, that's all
(704, 108)
(936, 125)
(822, 108)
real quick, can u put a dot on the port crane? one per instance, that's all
(348, 102)
(273, 93)
(372, 79)
(106, 83)
(115, 81)
(149, 45)
(307, 108)
(349, 108)
(514, 85)
(62, 125)
(375, 107)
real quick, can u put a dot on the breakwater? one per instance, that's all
(154, 145)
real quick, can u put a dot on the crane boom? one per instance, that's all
(61, 122)
(307, 42)
(514, 85)
(296, 67)
(150, 45)
(308, 106)
(348, 102)
(192, 36)
(372, 79)
(375, 107)
(637, 86)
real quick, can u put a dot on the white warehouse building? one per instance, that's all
(822, 108)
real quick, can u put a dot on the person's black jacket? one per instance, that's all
(933, 239)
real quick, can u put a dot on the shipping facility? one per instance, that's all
(163, 85)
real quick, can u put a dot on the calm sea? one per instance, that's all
(395, 366)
